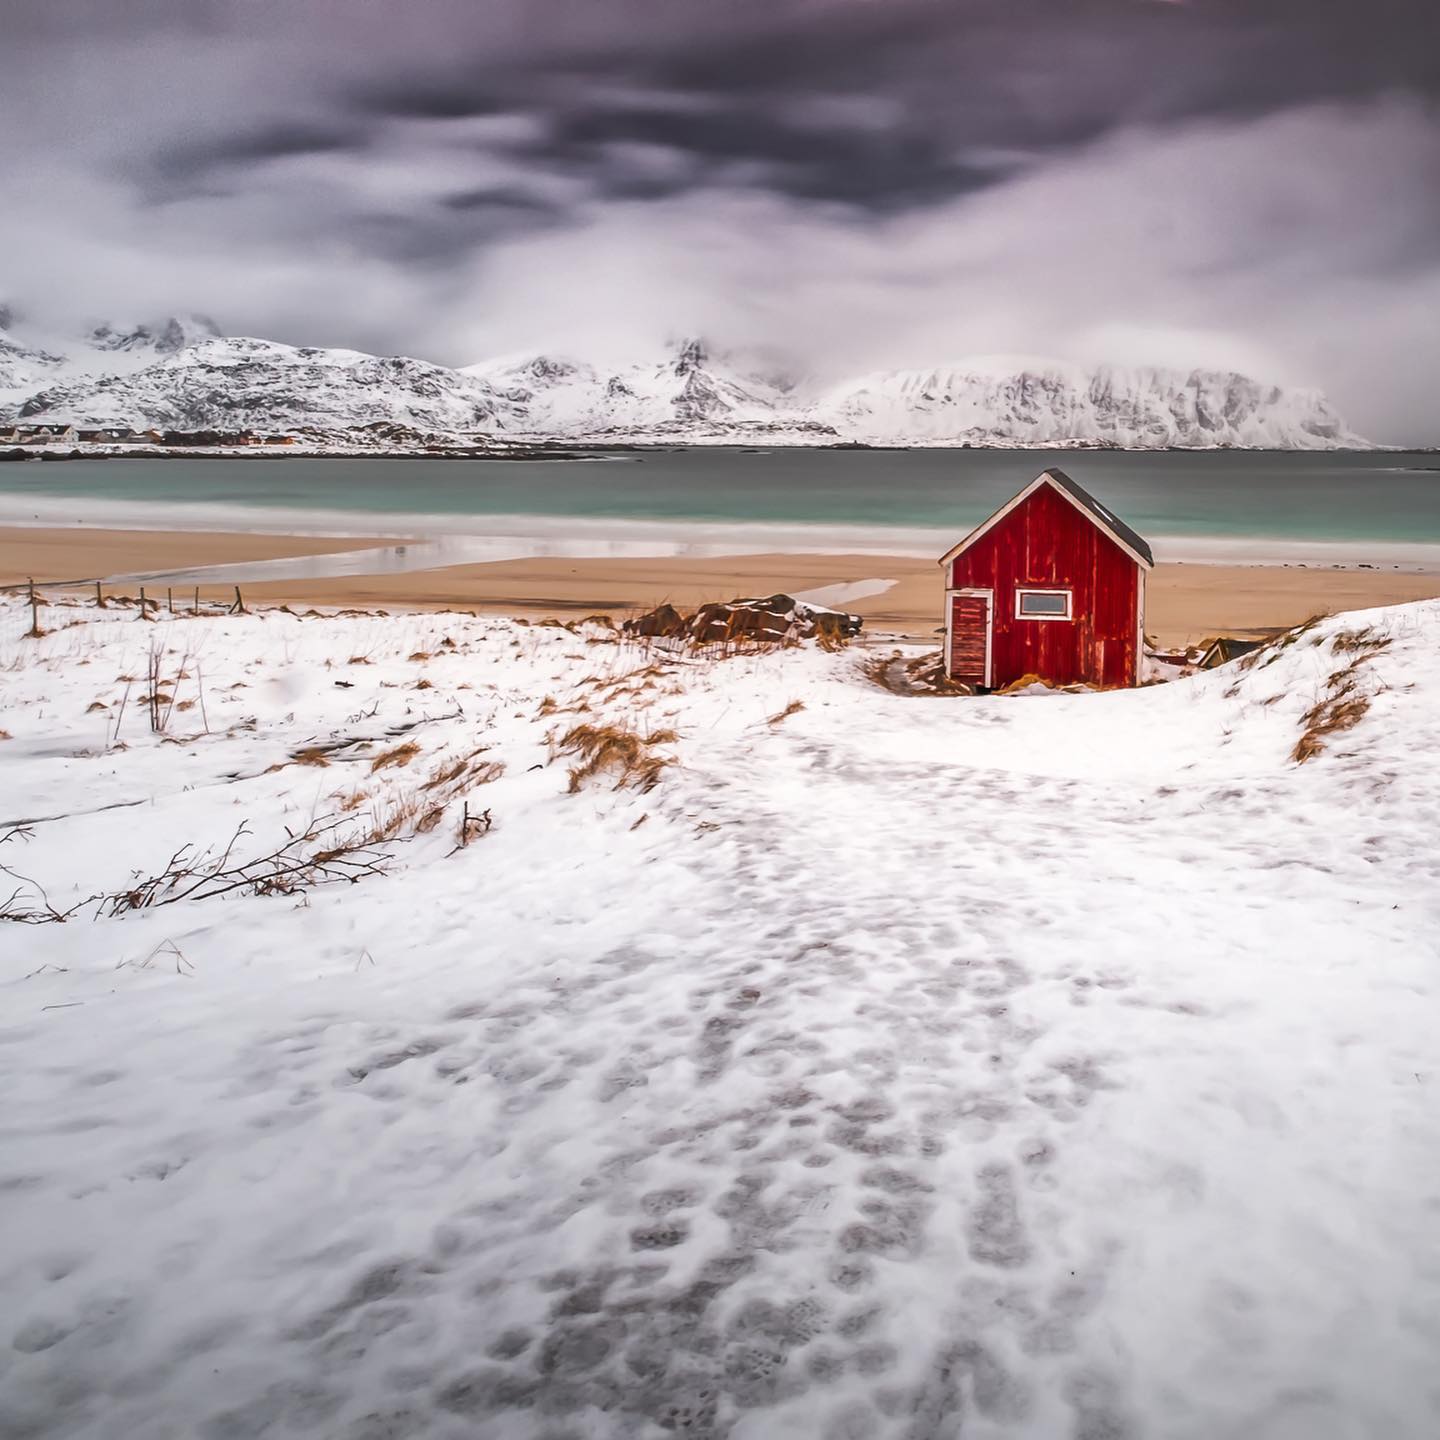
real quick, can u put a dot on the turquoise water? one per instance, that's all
(1341, 497)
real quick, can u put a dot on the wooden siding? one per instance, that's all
(1047, 543)
(968, 615)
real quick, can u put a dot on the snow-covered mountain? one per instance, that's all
(180, 373)
(697, 394)
(166, 337)
(34, 358)
(23, 367)
(247, 384)
(1049, 403)
(691, 393)
(23, 364)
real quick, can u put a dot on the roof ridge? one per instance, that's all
(1099, 515)
(1107, 517)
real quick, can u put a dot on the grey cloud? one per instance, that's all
(269, 141)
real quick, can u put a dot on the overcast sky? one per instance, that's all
(853, 184)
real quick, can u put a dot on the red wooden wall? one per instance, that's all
(1047, 543)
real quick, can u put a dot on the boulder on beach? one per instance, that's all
(772, 620)
(662, 620)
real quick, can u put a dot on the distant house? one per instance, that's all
(1052, 585)
(52, 435)
(1224, 648)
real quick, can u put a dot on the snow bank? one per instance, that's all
(1031, 1066)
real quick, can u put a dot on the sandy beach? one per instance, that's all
(1186, 602)
(60, 553)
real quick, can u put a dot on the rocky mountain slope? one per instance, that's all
(691, 394)
(163, 338)
(180, 373)
(246, 384)
(23, 365)
(1050, 403)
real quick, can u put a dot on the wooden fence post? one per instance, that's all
(141, 614)
(99, 601)
(197, 599)
(170, 599)
(34, 611)
(239, 606)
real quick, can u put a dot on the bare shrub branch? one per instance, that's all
(327, 852)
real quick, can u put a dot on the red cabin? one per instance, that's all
(1051, 585)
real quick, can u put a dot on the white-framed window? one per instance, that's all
(1043, 604)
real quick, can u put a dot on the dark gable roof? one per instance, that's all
(1106, 519)
(1081, 498)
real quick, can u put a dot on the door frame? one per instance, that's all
(988, 596)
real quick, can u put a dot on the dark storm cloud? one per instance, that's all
(866, 180)
(1025, 77)
(268, 141)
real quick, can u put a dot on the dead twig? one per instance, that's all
(326, 852)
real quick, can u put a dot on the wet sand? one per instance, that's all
(60, 553)
(1186, 602)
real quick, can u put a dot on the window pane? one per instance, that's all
(1034, 602)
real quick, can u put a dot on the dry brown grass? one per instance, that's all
(632, 684)
(551, 706)
(1271, 650)
(1024, 683)
(419, 655)
(467, 771)
(1328, 718)
(444, 774)
(400, 755)
(410, 813)
(609, 749)
(1341, 709)
(419, 810)
(1360, 642)
(780, 716)
(311, 756)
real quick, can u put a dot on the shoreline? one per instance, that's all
(896, 593)
(477, 537)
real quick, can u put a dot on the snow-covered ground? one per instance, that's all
(1052, 1066)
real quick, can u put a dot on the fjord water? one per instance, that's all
(1242, 495)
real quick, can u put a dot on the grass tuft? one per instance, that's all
(400, 755)
(609, 749)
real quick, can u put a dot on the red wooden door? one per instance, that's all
(970, 639)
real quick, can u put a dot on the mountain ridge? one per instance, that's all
(181, 373)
